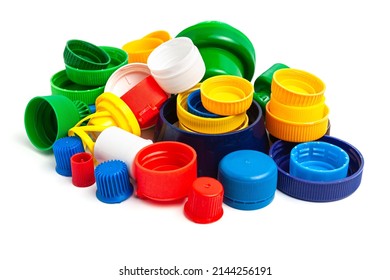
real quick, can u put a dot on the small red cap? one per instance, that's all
(204, 204)
(82, 167)
(145, 100)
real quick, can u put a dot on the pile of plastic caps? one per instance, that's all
(218, 139)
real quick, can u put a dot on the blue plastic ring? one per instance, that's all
(195, 106)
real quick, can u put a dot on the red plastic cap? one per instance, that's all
(204, 204)
(82, 167)
(145, 100)
(165, 171)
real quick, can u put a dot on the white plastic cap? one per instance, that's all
(176, 65)
(116, 143)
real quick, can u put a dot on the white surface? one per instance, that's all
(53, 230)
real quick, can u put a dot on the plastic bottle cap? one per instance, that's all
(62, 85)
(139, 50)
(226, 95)
(297, 113)
(159, 34)
(48, 118)
(296, 131)
(317, 191)
(204, 204)
(262, 84)
(214, 38)
(318, 161)
(206, 125)
(116, 143)
(126, 77)
(98, 77)
(145, 100)
(85, 55)
(82, 167)
(63, 149)
(165, 171)
(195, 106)
(249, 179)
(112, 182)
(297, 87)
(110, 111)
(176, 65)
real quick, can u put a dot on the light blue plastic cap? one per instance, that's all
(318, 161)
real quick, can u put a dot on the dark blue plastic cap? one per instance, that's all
(113, 182)
(63, 149)
(249, 179)
(316, 191)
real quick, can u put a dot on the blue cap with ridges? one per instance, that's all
(317, 191)
(113, 181)
(63, 149)
(249, 179)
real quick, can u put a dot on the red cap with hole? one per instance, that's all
(82, 167)
(204, 204)
(165, 171)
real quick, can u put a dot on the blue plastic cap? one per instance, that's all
(63, 149)
(249, 179)
(113, 181)
(317, 191)
(195, 106)
(318, 161)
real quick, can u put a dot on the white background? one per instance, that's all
(53, 230)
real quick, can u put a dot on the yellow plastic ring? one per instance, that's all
(296, 131)
(226, 95)
(84, 132)
(205, 125)
(242, 126)
(296, 87)
(297, 113)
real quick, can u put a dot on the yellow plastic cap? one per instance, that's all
(297, 87)
(297, 113)
(139, 50)
(205, 125)
(226, 95)
(296, 131)
(159, 34)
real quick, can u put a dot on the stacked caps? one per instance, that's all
(87, 69)
(296, 111)
(312, 166)
(218, 106)
(210, 144)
